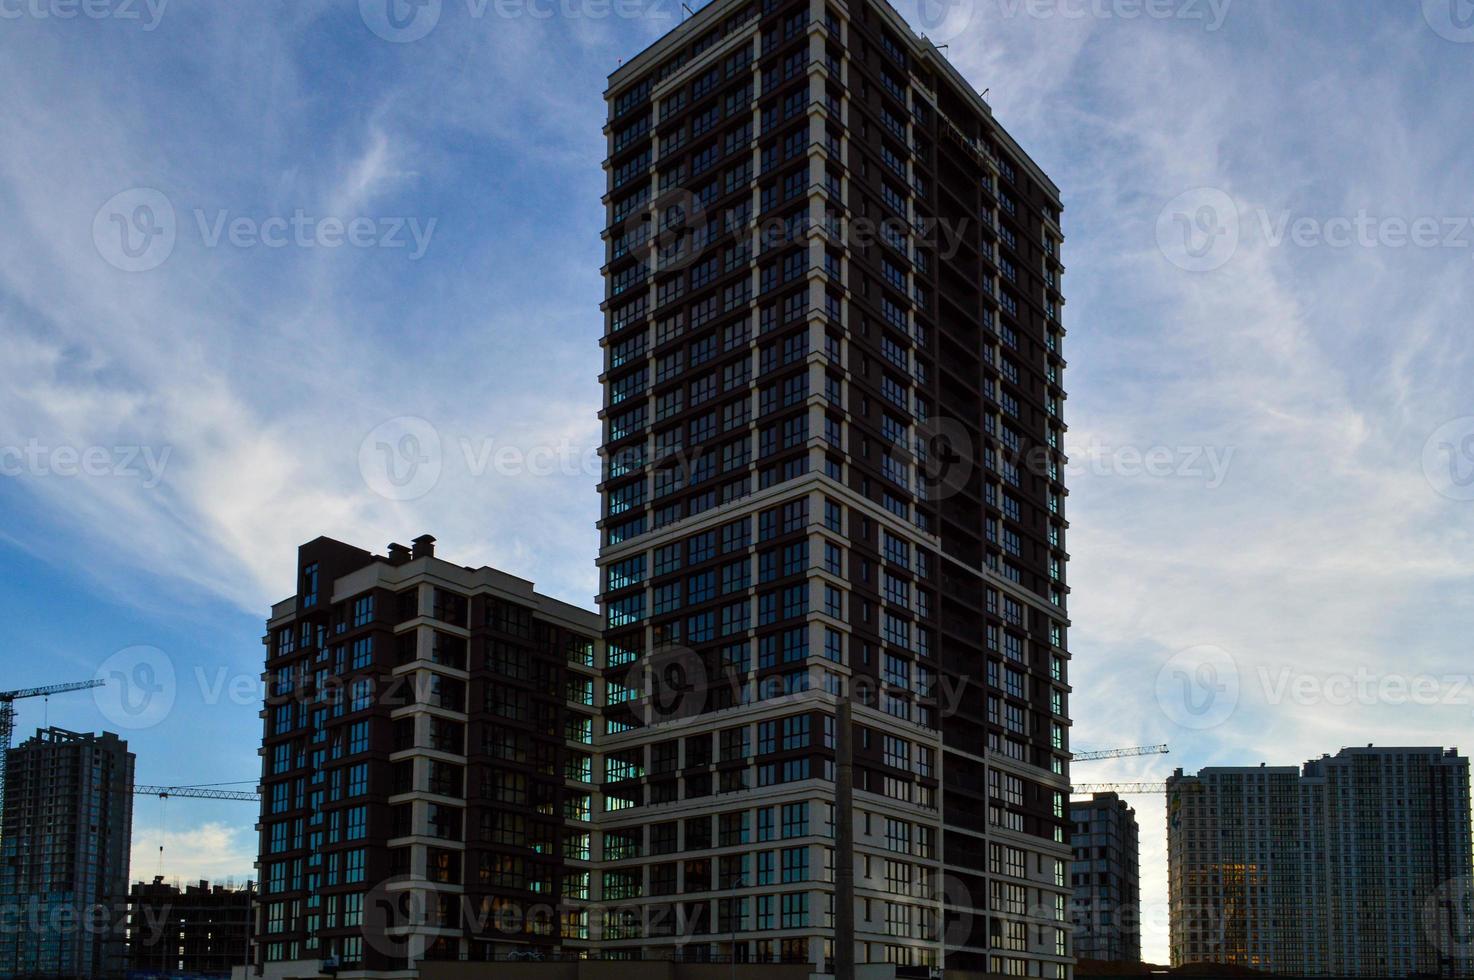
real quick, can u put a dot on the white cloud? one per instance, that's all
(212, 852)
(1322, 370)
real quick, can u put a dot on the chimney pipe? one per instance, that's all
(398, 553)
(424, 546)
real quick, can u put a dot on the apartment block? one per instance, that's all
(194, 930)
(833, 526)
(64, 857)
(1356, 865)
(1106, 877)
(427, 766)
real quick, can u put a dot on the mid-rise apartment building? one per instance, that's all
(427, 766)
(1106, 877)
(196, 930)
(1357, 865)
(833, 506)
(64, 857)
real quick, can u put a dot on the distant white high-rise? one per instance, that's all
(1357, 866)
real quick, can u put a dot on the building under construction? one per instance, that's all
(198, 930)
(64, 856)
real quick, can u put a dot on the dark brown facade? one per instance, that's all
(426, 777)
(833, 431)
(195, 930)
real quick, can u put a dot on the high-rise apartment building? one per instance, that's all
(64, 860)
(1106, 877)
(194, 930)
(832, 503)
(427, 766)
(1356, 866)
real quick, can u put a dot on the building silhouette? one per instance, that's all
(196, 930)
(833, 497)
(1106, 877)
(64, 856)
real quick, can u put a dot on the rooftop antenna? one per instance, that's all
(687, 9)
(984, 93)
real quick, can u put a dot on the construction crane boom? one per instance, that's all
(36, 692)
(196, 793)
(1120, 753)
(1081, 788)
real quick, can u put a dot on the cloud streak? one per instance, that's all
(1320, 373)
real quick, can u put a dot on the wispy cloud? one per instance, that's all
(1317, 372)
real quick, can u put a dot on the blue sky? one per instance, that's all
(1269, 398)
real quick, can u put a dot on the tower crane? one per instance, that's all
(196, 793)
(1120, 753)
(1154, 787)
(7, 717)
